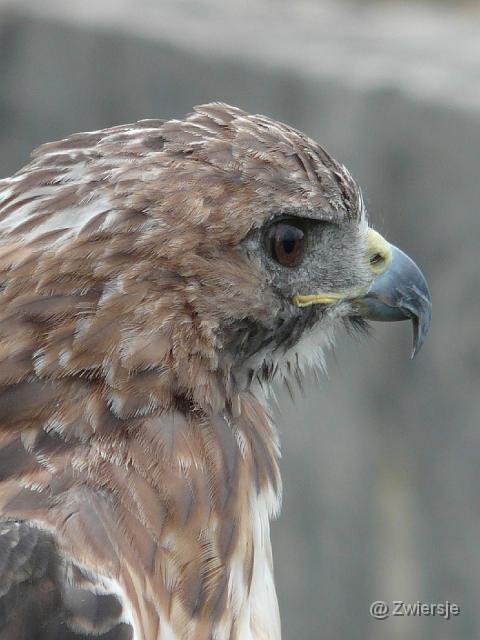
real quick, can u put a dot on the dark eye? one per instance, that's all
(287, 242)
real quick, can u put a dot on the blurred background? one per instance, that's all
(381, 460)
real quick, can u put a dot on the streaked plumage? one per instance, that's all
(141, 322)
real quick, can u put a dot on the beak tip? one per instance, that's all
(417, 345)
(421, 324)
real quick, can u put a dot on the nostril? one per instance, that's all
(377, 259)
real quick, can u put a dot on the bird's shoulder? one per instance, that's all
(46, 596)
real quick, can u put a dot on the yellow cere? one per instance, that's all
(379, 252)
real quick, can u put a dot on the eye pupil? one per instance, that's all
(287, 243)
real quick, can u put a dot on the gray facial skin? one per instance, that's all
(334, 260)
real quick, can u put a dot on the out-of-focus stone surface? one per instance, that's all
(381, 461)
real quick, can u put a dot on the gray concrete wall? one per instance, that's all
(381, 461)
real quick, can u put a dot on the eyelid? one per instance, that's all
(329, 217)
(304, 220)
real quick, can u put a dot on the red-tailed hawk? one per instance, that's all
(154, 279)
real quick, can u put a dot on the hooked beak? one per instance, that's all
(398, 291)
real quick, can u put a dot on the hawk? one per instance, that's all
(155, 278)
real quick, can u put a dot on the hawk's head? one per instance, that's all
(197, 255)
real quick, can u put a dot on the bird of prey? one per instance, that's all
(155, 279)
